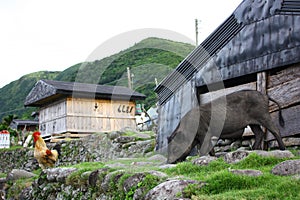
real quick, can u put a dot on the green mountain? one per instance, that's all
(150, 59)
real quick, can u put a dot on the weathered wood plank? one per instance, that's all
(286, 94)
(283, 76)
(291, 117)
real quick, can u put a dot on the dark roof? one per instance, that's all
(19, 122)
(25, 122)
(258, 36)
(46, 91)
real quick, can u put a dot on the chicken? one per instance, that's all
(45, 157)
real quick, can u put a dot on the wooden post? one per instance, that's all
(261, 86)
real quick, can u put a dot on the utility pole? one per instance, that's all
(196, 29)
(129, 78)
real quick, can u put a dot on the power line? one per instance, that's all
(12, 110)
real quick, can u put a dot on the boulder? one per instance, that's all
(58, 174)
(16, 174)
(275, 153)
(170, 189)
(289, 141)
(124, 139)
(289, 167)
(204, 160)
(247, 172)
(235, 156)
(158, 157)
(167, 166)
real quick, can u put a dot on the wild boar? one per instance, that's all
(224, 117)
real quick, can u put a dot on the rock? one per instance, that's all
(116, 175)
(2, 195)
(167, 166)
(296, 177)
(204, 160)
(236, 144)
(246, 143)
(275, 153)
(289, 141)
(169, 189)
(158, 157)
(244, 149)
(224, 142)
(58, 174)
(94, 176)
(114, 134)
(124, 139)
(236, 156)
(158, 174)
(142, 163)
(133, 181)
(247, 172)
(289, 167)
(16, 174)
(26, 194)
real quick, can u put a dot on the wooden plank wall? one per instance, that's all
(90, 115)
(284, 87)
(52, 118)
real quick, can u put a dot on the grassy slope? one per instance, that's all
(220, 183)
(149, 59)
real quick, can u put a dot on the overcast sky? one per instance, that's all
(53, 35)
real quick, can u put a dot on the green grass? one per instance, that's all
(88, 166)
(222, 184)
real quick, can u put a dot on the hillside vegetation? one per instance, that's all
(149, 59)
(12, 96)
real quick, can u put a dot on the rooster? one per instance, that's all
(45, 157)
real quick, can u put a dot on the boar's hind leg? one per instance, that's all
(259, 134)
(275, 131)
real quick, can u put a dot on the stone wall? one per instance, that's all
(133, 181)
(96, 147)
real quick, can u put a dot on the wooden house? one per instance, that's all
(82, 108)
(256, 47)
(26, 125)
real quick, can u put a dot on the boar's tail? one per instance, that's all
(281, 120)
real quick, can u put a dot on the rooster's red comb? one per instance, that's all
(36, 133)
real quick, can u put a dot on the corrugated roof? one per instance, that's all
(258, 36)
(48, 90)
